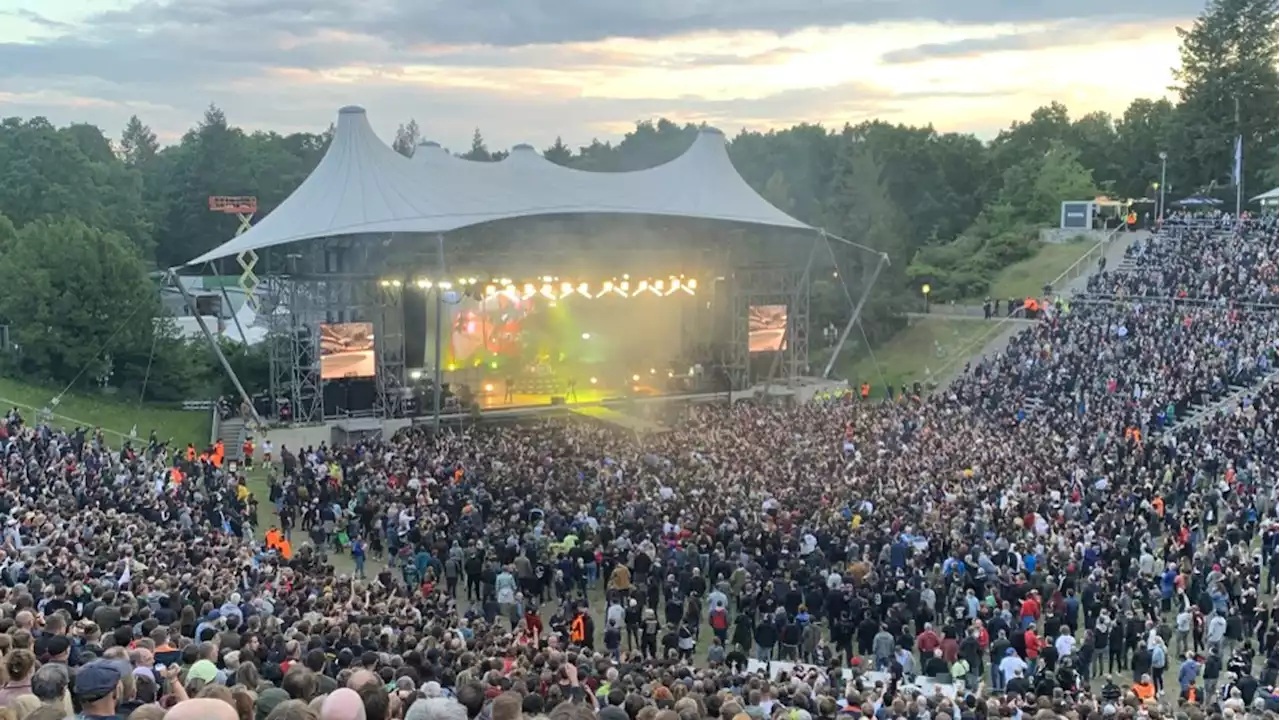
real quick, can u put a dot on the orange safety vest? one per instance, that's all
(866, 390)
(247, 448)
(578, 630)
(191, 453)
(1132, 219)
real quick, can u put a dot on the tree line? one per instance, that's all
(86, 219)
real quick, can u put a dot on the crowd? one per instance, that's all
(1042, 537)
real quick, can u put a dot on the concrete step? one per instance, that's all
(232, 433)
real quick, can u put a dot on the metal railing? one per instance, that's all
(1086, 263)
(1218, 303)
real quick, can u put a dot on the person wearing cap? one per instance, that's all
(97, 690)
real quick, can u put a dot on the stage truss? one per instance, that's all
(342, 280)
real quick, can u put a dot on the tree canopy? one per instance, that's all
(84, 218)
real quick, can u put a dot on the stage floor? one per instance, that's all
(593, 394)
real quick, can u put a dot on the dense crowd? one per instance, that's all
(1043, 537)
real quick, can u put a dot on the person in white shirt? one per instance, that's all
(1011, 665)
(1066, 642)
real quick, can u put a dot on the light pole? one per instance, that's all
(1164, 162)
(924, 290)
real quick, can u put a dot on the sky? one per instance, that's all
(533, 70)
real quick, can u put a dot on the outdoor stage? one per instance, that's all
(397, 288)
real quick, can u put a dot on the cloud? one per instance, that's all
(37, 19)
(511, 23)
(1059, 35)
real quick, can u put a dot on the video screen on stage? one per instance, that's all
(766, 328)
(346, 351)
(525, 349)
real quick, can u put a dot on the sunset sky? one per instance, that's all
(529, 70)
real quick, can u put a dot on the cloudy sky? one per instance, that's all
(529, 70)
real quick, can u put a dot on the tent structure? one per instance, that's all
(1271, 197)
(362, 186)
(1198, 201)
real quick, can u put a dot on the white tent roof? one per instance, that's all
(1270, 195)
(363, 186)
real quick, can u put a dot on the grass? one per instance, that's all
(115, 415)
(916, 353)
(1028, 277)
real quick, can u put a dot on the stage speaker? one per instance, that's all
(557, 399)
(415, 327)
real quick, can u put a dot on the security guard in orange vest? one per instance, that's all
(191, 453)
(865, 390)
(578, 630)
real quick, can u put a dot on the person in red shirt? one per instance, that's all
(1030, 611)
(926, 642)
(1033, 644)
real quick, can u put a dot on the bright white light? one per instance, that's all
(415, 374)
(586, 336)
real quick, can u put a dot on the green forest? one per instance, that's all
(88, 215)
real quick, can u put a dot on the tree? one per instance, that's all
(138, 145)
(479, 151)
(1036, 187)
(859, 207)
(559, 153)
(407, 138)
(78, 301)
(777, 192)
(1229, 56)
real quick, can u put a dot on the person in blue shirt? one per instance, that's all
(1188, 671)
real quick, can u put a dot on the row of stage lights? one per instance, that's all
(552, 288)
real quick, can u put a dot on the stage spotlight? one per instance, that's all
(546, 278)
(488, 387)
(594, 381)
(415, 374)
(493, 365)
(445, 285)
(692, 284)
(471, 281)
(529, 290)
(424, 284)
(385, 283)
(490, 290)
(653, 371)
(606, 288)
(396, 283)
(584, 289)
(671, 373)
(635, 378)
(547, 292)
(675, 285)
(586, 336)
(624, 288)
(566, 289)
(450, 367)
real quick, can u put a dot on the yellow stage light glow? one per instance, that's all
(675, 285)
(635, 378)
(424, 284)
(584, 289)
(547, 292)
(471, 281)
(606, 288)
(692, 284)
(671, 373)
(652, 371)
(446, 285)
(396, 283)
(566, 289)
(623, 288)
(385, 283)
(493, 366)
(626, 277)
(586, 336)
(594, 381)
(488, 387)
(450, 367)
(529, 290)
(546, 278)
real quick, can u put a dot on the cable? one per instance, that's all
(136, 307)
(146, 377)
(872, 353)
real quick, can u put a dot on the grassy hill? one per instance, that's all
(114, 414)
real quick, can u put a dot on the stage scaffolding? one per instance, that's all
(363, 279)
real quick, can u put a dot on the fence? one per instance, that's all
(1086, 263)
